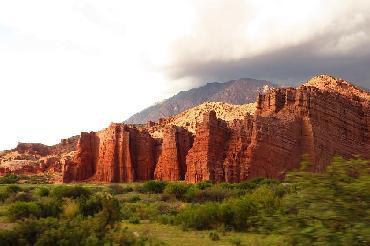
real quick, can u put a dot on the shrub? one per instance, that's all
(70, 208)
(236, 241)
(214, 236)
(9, 178)
(134, 198)
(177, 189)
(200, 217)
(238, 214)
(4, 195)
(254, 183)
(49, 207)
(90, 206)
(43, 191)
(116, 189)
(204, 184)
(210, 194)
(64, 191)
(134, 219)
(21, 196)
(154, 186)
(21, 210)
(13, 189)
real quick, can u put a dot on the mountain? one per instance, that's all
(215, 141)
(239, 91)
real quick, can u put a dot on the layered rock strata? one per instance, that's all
(171, 165)
(288, 124)
(320, 119)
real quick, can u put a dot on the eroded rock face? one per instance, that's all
(171, 165)
(308, 121)
(205, 159)
(116, 154)
(320, 119)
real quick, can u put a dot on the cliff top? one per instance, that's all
(225, 111)
(329, 83)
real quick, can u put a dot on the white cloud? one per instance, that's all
(68, 66)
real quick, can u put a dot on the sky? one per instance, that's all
(76, 65)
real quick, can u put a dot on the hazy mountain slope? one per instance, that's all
(239, 91)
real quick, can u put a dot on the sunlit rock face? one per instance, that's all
(214, 141)
(320, 119)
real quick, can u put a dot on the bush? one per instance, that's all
(200, 217)
(9, 178)
(49, 208)
(210, 194)
(4, 195)
(177, 189)
(134, 220)
(43, 191)
(70, 209)
(236, 241)
(204, 184)
(90, 206)
(13, 189)
(214, 236)
(134, 199)
(116, 189)
(76, 231)
(154, 186)
(254, 183)
(70, 192)
(21, 196)
(21, 210)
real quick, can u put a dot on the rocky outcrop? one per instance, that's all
(116, 154)
(320, 119)
(205, 159)
(288, 124)
(171, 165)
(308, 121)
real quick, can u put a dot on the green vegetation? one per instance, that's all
(329, 208)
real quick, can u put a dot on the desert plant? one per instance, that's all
(64, 191)
(21, 210)
(9, 178)
(214, 236)
(154, 186)
(177, 189)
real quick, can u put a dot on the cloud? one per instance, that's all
(284, 42)
(70, 66)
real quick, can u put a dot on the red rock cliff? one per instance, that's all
(320, 119)
(205, 159)
(171, 165)
(116, 154)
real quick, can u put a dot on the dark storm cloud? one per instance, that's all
(338, 44)
(287, 66)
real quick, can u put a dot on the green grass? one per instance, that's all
(173, 235)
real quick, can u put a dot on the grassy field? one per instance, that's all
(174, 235)
(330, 208)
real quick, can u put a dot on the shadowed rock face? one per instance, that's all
(320, 119)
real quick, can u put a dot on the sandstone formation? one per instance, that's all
(215, 141)
(35, 158)
(116, 154)
(171, 165)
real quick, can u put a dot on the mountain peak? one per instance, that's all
(240, 91)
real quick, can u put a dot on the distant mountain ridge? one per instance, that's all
(239, 91)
